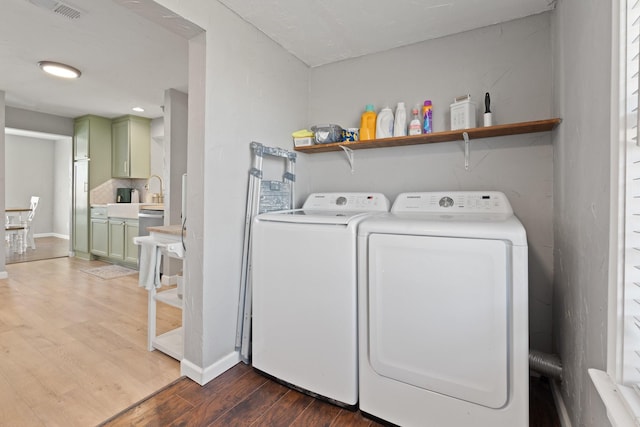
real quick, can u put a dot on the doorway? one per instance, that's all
(39, 164)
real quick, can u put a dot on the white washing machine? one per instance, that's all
(443, 333)
(304, 293)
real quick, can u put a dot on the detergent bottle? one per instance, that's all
(427, 114)
(400, 124)
(368, 123)
(384, 124)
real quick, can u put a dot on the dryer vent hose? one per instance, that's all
(545, 364)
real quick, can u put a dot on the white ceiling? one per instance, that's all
(321, 32)
(130, 51)
(126, 60)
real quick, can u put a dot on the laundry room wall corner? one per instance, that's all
(511, 60)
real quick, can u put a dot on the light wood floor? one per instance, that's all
(73, 346)
(46, 248)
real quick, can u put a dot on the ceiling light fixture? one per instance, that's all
(138, 109)
(59, 70)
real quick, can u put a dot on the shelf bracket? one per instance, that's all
(465, 135)
(350, 157)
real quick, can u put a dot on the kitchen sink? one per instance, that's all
(123, 210)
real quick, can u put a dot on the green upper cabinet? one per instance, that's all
(81, 139)
(91, 138)
(130, 147)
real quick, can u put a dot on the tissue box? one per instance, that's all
(303, 141)
(302, 138)
(463, 114)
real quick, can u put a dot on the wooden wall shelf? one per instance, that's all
(429, 138)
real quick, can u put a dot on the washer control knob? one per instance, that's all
(446, 202)
(341, 201)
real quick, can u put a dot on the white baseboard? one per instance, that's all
(169, 280)
(204, 375)
(60, 236)
(563, 414)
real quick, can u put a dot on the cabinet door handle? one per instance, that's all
(86, 186)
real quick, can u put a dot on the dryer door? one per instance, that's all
(438, 314)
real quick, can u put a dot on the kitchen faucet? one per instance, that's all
(161, 196)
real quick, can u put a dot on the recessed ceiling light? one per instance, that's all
(59, 70)
(138, 109)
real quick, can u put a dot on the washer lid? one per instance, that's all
(308, 216)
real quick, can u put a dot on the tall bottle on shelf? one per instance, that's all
(427, 115)
(400, 123)
(415, 126)
(384, 125)
(368, 123)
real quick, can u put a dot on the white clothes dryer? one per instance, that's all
(443, 317)
(304, 293)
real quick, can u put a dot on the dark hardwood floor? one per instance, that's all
(242, 397)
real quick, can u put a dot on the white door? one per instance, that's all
(438, 314)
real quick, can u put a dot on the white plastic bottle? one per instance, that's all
(415, 127)
(384, 124)
(400, 124)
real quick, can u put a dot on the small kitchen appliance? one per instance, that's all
(123, 195)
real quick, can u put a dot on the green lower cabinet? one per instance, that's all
(112, 239)
(121, 234)
(116, 239)
(130, 248)
(100, 237)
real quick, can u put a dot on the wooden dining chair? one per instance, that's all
(16, 237)
(28, 235)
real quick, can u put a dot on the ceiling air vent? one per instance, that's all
(58, 7)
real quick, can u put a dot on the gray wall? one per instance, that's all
(582, 78)
(175, 156)
(157, 152)
(62, 187)
(17, 118)
(512, 61)
(55, 192)
(29, 169)
(175, 152)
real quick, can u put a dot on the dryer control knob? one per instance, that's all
(446, 202)
(341, 201)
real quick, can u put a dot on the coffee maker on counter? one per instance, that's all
(127, 195)
(123, 195)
